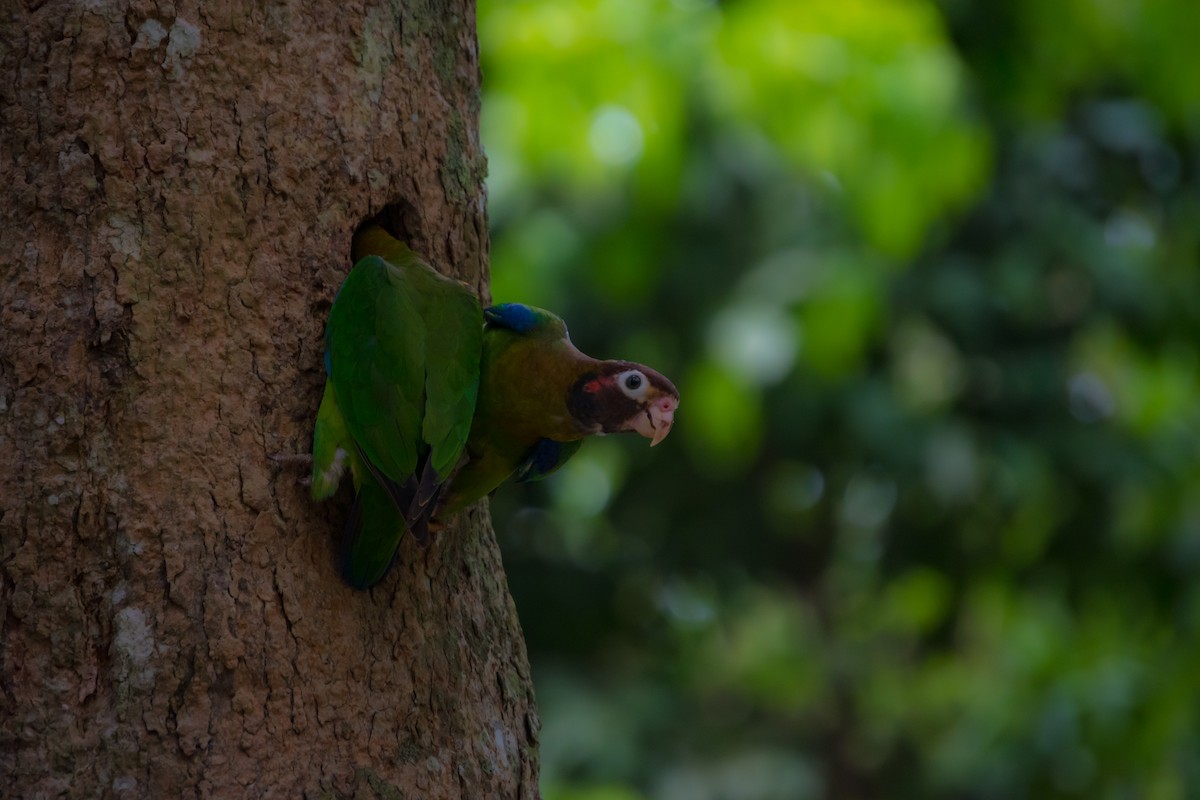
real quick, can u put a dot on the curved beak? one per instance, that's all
(656, 419)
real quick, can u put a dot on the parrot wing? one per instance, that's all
(375, 351)
(403, 346)
(453, 346)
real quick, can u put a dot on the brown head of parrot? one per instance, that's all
(624, 396)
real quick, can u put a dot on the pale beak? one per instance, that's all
(656, 419)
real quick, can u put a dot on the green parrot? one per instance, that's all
(432, 402)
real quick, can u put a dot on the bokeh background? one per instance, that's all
(926, 275)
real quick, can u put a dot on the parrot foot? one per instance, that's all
(292, 459)
(435, 527)
(424, 532)
(295, 460)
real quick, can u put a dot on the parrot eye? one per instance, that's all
(633, 383)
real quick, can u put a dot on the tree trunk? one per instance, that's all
(181, 183)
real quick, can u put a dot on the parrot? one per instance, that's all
(432, 401)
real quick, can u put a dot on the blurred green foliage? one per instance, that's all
(927, 277)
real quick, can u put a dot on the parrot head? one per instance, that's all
(624, 396)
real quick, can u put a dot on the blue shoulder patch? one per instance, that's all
(515, 316)
(545, 458)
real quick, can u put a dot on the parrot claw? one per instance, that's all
(425, 533)
(294, 460)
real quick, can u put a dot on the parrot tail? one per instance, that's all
(371, 537)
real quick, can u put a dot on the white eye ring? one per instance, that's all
(633, 384)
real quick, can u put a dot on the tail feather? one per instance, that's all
(425, 496)
(416, 499)
(371, 537)
(383, 509)
(402, 494)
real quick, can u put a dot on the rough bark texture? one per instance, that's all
(181, 181)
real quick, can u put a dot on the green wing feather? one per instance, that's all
(402, 355)
(332, 447)
(452, 317)
(376, 343)
(371, 536)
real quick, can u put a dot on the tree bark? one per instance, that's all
(181, 182)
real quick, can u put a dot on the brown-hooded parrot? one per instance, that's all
(433, 402)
